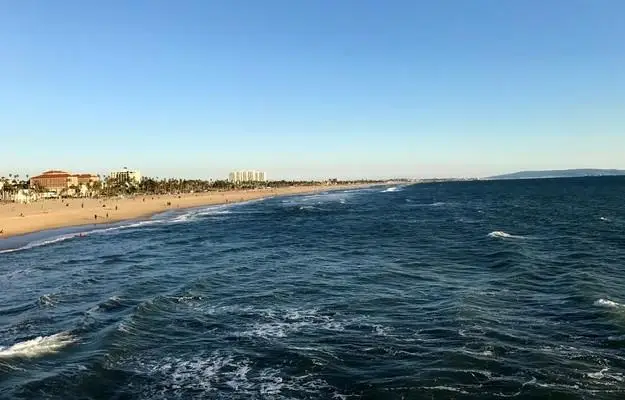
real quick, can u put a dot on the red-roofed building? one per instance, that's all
(59, 181)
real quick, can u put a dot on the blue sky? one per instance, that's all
(312, 88)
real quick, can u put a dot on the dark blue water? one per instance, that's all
(454, 290)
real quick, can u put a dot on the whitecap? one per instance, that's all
(381, 330)
(435, 204)
(597, 375)
(391, 189)
(47, 300)
(39, 346)
(603, 374)
(446, 388)
(483, 353)
(608, 303)
(503, 235)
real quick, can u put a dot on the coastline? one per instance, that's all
(21, 219)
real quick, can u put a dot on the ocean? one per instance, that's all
(460, 290)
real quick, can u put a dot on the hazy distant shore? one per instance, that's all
(20, 219)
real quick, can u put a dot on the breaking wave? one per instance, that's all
(608, 303)
(39, 346)
(504, 235)
(78, 235)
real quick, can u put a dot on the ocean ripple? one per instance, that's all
(464, 290)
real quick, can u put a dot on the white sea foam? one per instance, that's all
(272, 382)
(204, 374)
(597, 375)
(62, 238)
(282, 324)
(319, 199)
(183, 218)
(446, 388)
(504, 235)
(483, 353)
(40, 243)
(604, 375)
(381, 330)
(214, 212)
(39, 346)
(194, 214)
(391, 189)
(47, 300)
(412, 204)
(608, 303)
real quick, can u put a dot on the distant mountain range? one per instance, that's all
(564, 173)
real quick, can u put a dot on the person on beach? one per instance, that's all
(95, 216)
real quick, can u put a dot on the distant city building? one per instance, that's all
(247, 176)
(59, 181)
(126, 175)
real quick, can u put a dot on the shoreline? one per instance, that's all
(23, 219)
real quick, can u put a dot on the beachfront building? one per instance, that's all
(87, 179)
(247, 176)
(126, 176)
(60, 181)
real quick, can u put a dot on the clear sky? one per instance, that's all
(312, 88)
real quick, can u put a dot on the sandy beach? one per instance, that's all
(17, 219)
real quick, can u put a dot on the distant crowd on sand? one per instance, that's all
(44, 214)
(71, 202)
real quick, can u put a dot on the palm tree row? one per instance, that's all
(156, 185)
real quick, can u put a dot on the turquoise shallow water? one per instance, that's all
(476, 290)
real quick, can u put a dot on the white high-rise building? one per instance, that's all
(126, 175)
(247, 176)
